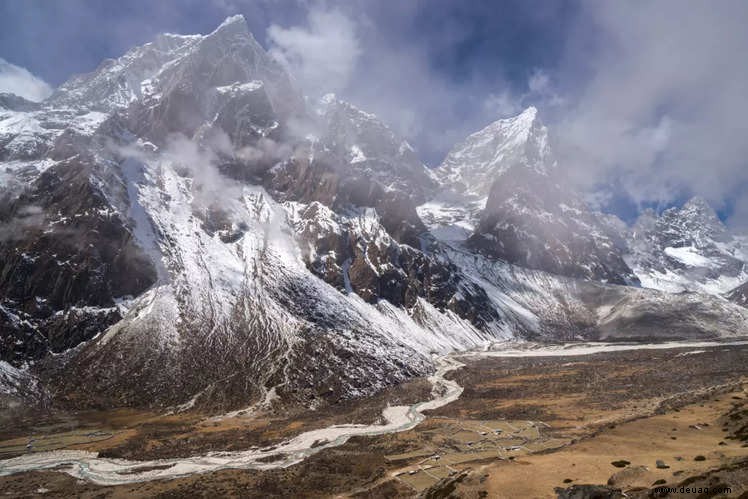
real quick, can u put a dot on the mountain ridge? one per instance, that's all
(687, 249)
(208, 240)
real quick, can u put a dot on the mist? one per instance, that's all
(644, 101)
(647, 103)
(17, 80)
(662, 102)
(28, 218)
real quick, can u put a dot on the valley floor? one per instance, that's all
(523, 427)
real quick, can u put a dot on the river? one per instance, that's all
(106, 471)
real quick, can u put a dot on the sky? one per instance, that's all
(646, 102)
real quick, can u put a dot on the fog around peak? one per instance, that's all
(644, 102)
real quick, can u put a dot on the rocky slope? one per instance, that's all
(180, 229)
(153, 213)
(687, 249)
(472, 166)
(501, 192)
(516, 206)
(739, 295)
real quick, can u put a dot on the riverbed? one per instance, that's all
(109, 471)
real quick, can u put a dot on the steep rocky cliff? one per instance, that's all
(180, 228)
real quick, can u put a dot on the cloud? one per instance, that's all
(201, 160)
(539, 82)
(647, 97)
(19, 81)
(322, 55)
(541, 91)
(364, 53)
(738, 219)
(658, 99)
(502, 104)
(28, 218)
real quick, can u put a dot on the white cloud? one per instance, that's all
(501, 104)
(541, 92)
(539, 82)
(28, 218)
(322, 55)
(662, 100)
(348, 48)
(19, 81)
(739, 217)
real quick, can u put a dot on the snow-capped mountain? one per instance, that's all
(351, 159)
(472, 166)
(504, 189)
(687, 249)
(181, 74)
(181, 228)
(373, 148)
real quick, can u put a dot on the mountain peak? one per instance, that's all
(233, 25)
(520, 124)
(475, 163)
(227, 55)
(698, 210)
(529, 114)
(232, 20)
(698, 203)
(686, 248)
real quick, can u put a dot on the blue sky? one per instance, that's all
(646, 100)
(56, 39)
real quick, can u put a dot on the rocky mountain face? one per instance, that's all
(182, 77)
(165, 195)
(351, 159)
(529, 217)
(739, 295)
(180, 228)
(471, 168)
(687, 249)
